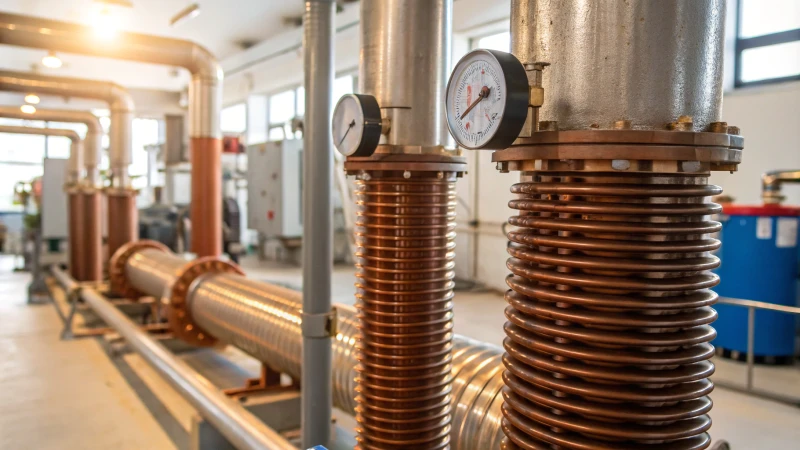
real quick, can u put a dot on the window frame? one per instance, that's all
(742, 44)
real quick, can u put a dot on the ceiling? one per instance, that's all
(221, 27)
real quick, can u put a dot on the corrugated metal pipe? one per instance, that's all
(263, 320)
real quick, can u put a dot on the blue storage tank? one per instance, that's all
(759, 256)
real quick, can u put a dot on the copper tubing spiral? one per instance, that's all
(405, 233)
(608, 329)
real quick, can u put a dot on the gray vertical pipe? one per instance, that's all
(317, 218)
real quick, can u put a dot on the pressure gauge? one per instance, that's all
(356, 125)
(487, 100)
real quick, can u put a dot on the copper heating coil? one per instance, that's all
(609, 312)
(405, 233)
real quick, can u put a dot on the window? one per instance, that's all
(767, 42)
(281, 111)
(234, 119)
(498, 41)
(22, 148)
(145, 132)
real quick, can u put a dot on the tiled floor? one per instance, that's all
(69, 395)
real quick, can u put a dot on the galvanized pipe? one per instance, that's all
(315, 382)
(643, 61)
(405, 55)
(205, 99)
(242, 429)
(263, 320)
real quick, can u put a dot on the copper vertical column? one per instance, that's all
(76, 233)
(405, 232)
(91, 228)
(206, 208)
(123, 218)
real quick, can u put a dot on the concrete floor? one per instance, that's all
(69, 395)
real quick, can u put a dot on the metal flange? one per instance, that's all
(175, 298)
(713, 150)
(116, 267)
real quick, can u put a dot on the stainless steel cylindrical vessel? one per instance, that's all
(644, 61)
(405, 64)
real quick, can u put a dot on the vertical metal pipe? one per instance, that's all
(123, 218)
(405, 56)
(92, 225)
(317, 216)
(76, 237)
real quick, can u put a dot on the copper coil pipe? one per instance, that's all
(123, 219)
(206, 207)
(405, 233)
(608, 332)
(76, 234)
(92, 229)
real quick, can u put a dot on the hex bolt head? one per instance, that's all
(733, 130)
(718, 127)
(620, 164)
(365, 176)
(440, 175)
(622, 125)
(407, 174)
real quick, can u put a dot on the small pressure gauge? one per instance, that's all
(356, 125)
(487, 100)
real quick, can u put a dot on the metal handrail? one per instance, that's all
(752, 306)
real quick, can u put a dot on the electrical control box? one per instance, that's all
(54, 199)
(274, 188)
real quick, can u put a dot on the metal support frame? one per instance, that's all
(749, 388)
(316, 384)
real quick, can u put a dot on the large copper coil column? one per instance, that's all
(405, 232)
(123, 218)
(91, 228)
(76, 234)
(206, 207)
(608, 332)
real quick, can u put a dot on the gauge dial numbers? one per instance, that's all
(487, 100)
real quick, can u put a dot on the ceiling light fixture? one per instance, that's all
(33, 99)
(123, 3)
(185, 14)
(27, 109)
(51, 60)
(105, 23)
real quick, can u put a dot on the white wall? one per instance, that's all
(769, 118)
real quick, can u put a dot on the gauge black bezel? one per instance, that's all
(515, 110)
(371, 130)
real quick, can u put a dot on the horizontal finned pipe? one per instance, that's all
(242, 429)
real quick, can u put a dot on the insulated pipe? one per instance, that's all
(85, 221)
(75, 195)
(263, 320)
(405, 59)
(205, 92)
(315, 381)
(121, 202)
(239, 426)
(90, 156)
(120, 106)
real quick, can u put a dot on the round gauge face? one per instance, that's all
(487, 100)
(356, 125)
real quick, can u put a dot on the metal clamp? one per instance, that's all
(319, 325)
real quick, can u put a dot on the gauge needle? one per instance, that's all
(481, 95)
(349, 127)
